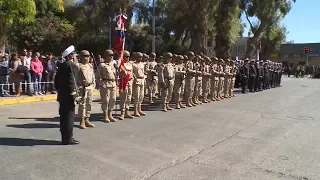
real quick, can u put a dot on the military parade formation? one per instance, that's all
(182, 80)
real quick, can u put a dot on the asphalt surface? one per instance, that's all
(266, 136)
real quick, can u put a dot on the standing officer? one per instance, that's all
(244, 71)
(152, 77)
(166, 79)
(86, 84)
(198, 79)
(180, 74)
(138, 84)
(65, 84)
(252, 75)
(234, 71)
(227, 79)
(206, 79)
(214, 80)
(190, 79)
(221, 77)
(125, 84)
(258, 77)
(108, 87)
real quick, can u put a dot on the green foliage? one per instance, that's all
(49, 34)
(272, 39)
(268, 13)
(22, 11)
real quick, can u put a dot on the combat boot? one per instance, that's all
(112, 119)
(192, 102)
(164, 109)
(181, 105)
(151, 99)
(169, 108)
(136, 113)
(199, 102)
(189, 103)
(178, 106)
(122, 115)
(140, 111)
(217, 98)
(127, 114)
(82, 124)
(106, 118)
(88, 123)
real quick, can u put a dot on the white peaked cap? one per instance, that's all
(68, 51)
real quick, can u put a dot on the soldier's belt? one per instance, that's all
(108, 80)
(168, 78)
(139, 77)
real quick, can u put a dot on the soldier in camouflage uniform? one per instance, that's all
(180, 74)
(206, 79)
(198, 79)
(152, 77)
(166, 79)
(215, 80)
(86, 83)
(138, 84)
(190, 80)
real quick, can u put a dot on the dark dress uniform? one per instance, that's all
(252, 77)
(244, 71)
(258, 78)
(65, 85)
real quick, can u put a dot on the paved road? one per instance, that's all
(266, 136)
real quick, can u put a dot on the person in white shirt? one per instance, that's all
(27, 62)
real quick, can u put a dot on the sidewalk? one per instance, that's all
(26, 99)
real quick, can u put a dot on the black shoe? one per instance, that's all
(71, 142)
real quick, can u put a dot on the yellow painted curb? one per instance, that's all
(24, 100)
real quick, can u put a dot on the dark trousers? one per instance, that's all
(257, 84)
(251, 84)
(49, 79)
(244, 83)
(66, 111)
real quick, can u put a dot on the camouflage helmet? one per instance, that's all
(207, 59)
(139, 54)
(174, 55)
(153, 55)
(168, 55)
(185, 57)
(84, 53)
(215, 59)
(190, 53)
(126, 53)
(180, 57)
(108, 52)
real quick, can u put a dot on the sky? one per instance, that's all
(302, 22)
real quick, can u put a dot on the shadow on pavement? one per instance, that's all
(34, 126)
(26, 142)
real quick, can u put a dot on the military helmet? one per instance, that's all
(126, 53)
(198, 56)
(215, 59)
(207, 58)
(145, 55)
(84, 53)
(153, 55)
(180, 57)
(139, 54)
(108, 52)
(190, 53)
(168, 55)
(185, 57)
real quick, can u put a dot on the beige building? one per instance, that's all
(238, 49)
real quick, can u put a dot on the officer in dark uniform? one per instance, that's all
(252, 75)
(65, 84)
(266, 75)
(244, 71)
(258, 74)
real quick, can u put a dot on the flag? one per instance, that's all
(118, 46)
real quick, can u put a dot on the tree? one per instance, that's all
(268, 12)
(227, 26)
(272, 39)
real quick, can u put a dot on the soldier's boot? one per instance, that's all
(106, 117)
(168, 107)
(82, 124)
(189, 103)
(181, 105)
(88, 123)
(205, 99)
(164, 109)
(140, 111)
(192, 102)
(178, 105)
(112, 119)
(198, 100)
(218, 98)
(127, 114)
(136, 113)
(122, 115)
(151, 99)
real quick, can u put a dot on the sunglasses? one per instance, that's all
(110, 55)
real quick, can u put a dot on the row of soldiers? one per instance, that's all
(189, 78)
